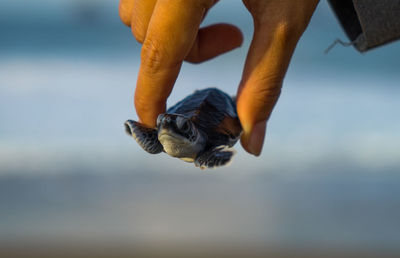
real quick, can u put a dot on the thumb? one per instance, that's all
(266, 64)
(278, 25)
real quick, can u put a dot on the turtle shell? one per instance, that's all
(214, 114)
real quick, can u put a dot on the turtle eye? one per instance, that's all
(185, 127)
(182, 123)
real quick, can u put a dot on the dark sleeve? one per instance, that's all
(369, 23)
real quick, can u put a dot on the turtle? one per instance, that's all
(201, 129)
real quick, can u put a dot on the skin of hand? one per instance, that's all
(170, 33)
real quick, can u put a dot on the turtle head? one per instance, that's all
(179, 136)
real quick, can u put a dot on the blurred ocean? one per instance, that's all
(328, 179)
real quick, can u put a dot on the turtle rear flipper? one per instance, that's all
(219, 156)
(146, 137)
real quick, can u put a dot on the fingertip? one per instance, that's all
(148, 109)
(252, 139)
(254, 107)
(238, 35)
(213, 41)
(233, 33)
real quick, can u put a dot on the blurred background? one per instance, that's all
(72, 183)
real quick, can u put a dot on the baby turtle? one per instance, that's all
(199, 129)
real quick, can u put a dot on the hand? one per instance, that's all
(169, 31)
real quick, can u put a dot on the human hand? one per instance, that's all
(169, 31)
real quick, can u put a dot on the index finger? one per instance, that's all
(170, 35)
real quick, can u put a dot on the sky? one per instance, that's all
(67, 76)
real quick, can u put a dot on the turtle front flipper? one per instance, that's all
(219, 156)
(145, 136)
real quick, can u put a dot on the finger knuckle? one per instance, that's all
(156, 57)
(289, 31)
(152, 56)
(124, 13)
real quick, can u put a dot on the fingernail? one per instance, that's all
(257, 138)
